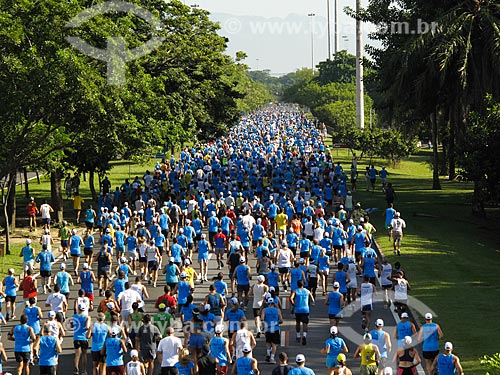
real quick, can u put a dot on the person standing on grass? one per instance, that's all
(429, 334)
(397, 227)
(23, 336)
(447, 363)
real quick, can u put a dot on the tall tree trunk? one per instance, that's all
(5, 198)
(454, 116)
(56, 193)
(26, 184)
(436, 184)
(92, 186)
(478, 200)
(11, 201)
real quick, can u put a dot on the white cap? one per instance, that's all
(300, 358)
(46, 231)
(134, 353)
(52, 314)
(73, 231)
(407, 340)
(28, 241)
(242, 259)
(270, 300)
(261, 278)
(388, 371)
(110, 305)
(203, 235)
(404, 315)
(234, 300)
(219, 328)
(107, 230)
(397, 214)
(12, 270)
(379, 323)
(183, 275)
(334, 330)
(336, 284)
(272, 289)
(85, 266)
(123, 260)
(62, 266)
(448, 346)
(187, 261)
(171, 259)
(115, 330)
(301, 260)
(207, 307)
(82, 306)
(428, 316)
(246, 348)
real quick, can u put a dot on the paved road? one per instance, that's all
(349, 329)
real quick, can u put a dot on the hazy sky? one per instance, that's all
(276, 34)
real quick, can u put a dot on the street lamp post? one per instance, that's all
(312, 15)
(336, 26)
(329, 30)
(360, 99)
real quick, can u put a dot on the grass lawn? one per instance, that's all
(452, 260)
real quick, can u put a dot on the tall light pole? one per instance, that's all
(360, 99)
(329, 30)
(336, 26)
(312, 15)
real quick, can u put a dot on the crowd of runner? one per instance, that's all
(277, 214)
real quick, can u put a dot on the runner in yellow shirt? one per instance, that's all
(369, 354)
(281, 223)
(77, 206)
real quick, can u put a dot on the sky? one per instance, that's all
(277, 34)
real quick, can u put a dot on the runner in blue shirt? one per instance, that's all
(98, 333)
(45, 258)
(48, 347)
(75, 242)
(333, 347)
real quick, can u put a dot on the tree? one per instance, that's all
(478, 157)
(341, 69)
(492, 363)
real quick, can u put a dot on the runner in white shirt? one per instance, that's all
(386, 282)
(257, 291)
(168, 349)
(126, 299)
(284, 260)
(240, 338)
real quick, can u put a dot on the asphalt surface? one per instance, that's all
(349, 327)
